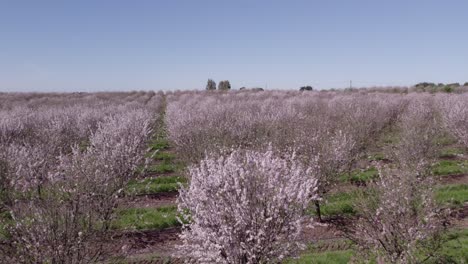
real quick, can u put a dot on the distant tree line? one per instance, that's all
(433, 87)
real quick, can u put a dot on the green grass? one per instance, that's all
(165, 156)
(343, 203)
(390, 138)
(451, 152)
(160, 144)
(376, 157)
(337, 204)
(454, 194)
(450, 167)
(328, 257)
(360, 175)
(155, 185)
(160, 155)
(144, 258)
(163, 168)
(146, 218)
(445, 140)
(5, 220)
(455, 250)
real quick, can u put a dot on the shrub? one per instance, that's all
(399, 221)
(246, 207)
(454, 109)
(419, 127)
(448, 89)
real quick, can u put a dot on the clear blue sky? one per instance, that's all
(88, 45)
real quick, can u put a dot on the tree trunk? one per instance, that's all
(317, 211)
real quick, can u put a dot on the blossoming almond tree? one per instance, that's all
(398, 217)
(57, 195)
(245, 207)
(454, 109)
(419, 129)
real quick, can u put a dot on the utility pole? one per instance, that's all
(351, 84)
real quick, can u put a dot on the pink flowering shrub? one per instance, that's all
(419, 128)
(398, 218)
(245, 207)
(63, 170)
(454, 110)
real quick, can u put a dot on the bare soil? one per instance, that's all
(149, 241)
(454, 179)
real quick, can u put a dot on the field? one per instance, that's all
(234, 177)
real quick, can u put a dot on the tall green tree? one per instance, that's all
(210, 85)
(224, 85)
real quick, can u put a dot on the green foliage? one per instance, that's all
(146, 218)
(306, 88)
(210, 85)
(448, 89)
(224, 85)
(425, 84)
(453, 84)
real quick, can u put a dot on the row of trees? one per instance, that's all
(258, 160)
(64, 160)
(222, 86)
(430, 84)
(225, 85)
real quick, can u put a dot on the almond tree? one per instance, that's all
(398, 219)
(454, 110)
(419, 128)
(245, 207)
(57, 193)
